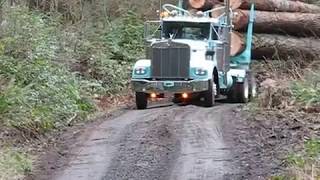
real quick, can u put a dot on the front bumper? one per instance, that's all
(142, 85)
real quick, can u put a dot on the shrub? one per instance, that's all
(28, 35)
(38, 90)
(37, 94)
(125, 38)
(40, 96)
(104, 57)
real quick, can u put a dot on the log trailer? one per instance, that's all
(191, 58)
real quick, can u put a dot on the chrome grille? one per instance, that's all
(170, 60)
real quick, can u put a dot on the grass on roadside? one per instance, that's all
(282, 92)
(307, 91)
(303, 165)
(14, 164)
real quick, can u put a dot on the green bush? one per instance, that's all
(50, 68)
(48, 73)
(37, 93)
(125, 37)
(106, 55)
(28, 35)
(40, 96)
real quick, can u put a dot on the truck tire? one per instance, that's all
(177, 99)
(252, 86)
(141, 100)
(240, 91)
(209, 95)
(243, 91)
(232, 93)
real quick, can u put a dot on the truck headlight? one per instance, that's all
(140, 71)
(200, 72)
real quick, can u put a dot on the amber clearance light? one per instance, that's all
(153, 95)
(185, 95)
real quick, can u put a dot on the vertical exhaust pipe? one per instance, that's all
(180, 5)
(227, 39)
(227, 9)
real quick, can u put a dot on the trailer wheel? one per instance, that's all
(209, 95)
(243, 91)
(141, 100)
(240, 91)
(232, 93)
(252, 86)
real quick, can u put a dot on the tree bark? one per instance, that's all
(305, 1)
(299, 24)
(234, 4)
(201, 5)
(284, 47)
(281, 6)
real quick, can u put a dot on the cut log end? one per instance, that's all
(205, 5)
(197, 4)
(235, 4)
(237, 44)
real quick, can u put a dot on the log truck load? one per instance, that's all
(283, 29)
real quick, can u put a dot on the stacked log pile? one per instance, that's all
(282, 28)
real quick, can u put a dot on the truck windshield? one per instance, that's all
(186, 30)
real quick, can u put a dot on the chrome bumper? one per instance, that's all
(141, 85)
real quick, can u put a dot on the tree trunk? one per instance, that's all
(205, 5)
(235, 4)
(300, 24)
(281, 6)
(201, 5)
(237, 43)
(305, 1)
(285, 47)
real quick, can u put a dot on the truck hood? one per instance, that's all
(198, 52)
(194, 44)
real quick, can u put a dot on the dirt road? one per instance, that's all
(169, 142)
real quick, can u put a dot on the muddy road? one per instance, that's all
(170, 142)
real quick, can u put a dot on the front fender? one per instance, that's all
(207, 65)
(146, 63)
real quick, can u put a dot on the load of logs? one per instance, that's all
(283, 28)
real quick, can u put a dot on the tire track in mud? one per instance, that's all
(91, 158)
(176, 142)
(204, 154)
(147, 149)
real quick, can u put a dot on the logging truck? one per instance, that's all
(189, 55)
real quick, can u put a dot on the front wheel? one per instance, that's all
(177, 99)
(141, 100)
(209, 95)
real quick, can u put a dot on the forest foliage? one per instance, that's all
(53, 61)
(57, 55)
